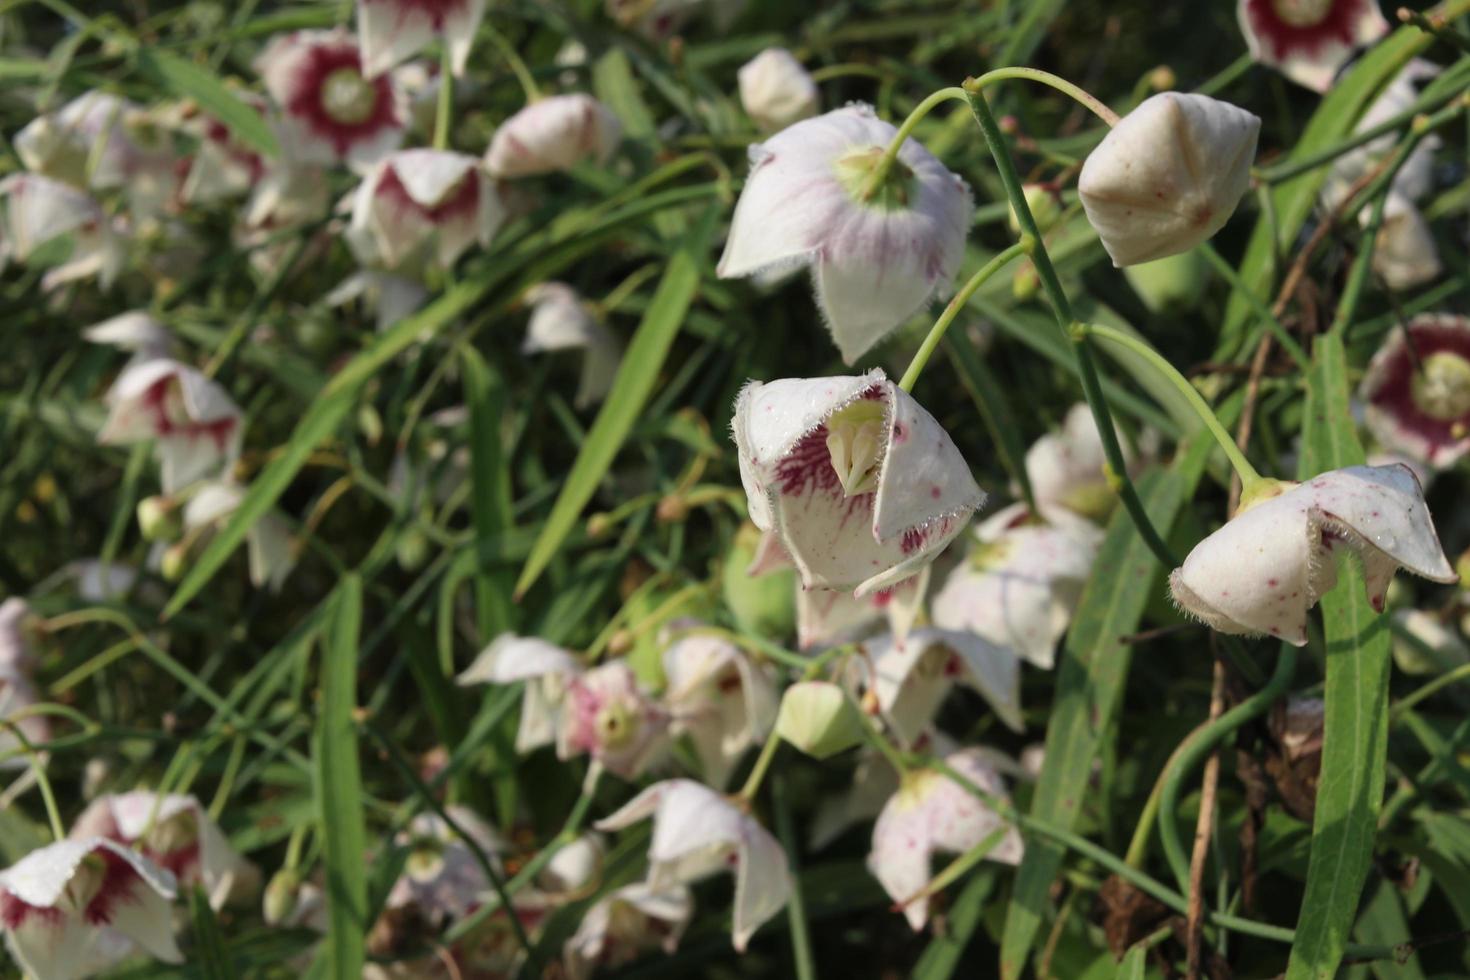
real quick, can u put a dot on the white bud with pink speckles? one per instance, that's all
(553, 134)
(1262, 571)
(776, 90)
(1168, 175)
(861, 484)
(930, 814)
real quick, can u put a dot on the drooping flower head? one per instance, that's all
(442, 878)
(423, 206)
(776, 90)
(395, 30)
(1068, 469)
(70, 908)
(697, 833)
(1262, 571)
(134, 331)
(1404, 253)
(910, 678)
(861, 484)
(553, 134)
(1416, 391)
(561, 320)
(268, 542)
(609, 717)
(1309, 40)
(546, 668)
(626, 923)
(931, 814)
(39, 210)
(195, 424)
(723, 701)
(874, 261)
(330, 111)
(1168, 175)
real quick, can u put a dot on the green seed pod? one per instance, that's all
(159, 519)
(762, 604)
(817, 718)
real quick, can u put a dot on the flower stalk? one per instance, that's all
(880, 170)
(955, 305)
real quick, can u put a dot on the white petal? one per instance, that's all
(762, 882)
(392, 31)
(512, 658)
(553, 134)
(776, 90)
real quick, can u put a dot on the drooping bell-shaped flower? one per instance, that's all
(776, 90)
(331, 112)
(1262, 571)
(1068, 469)
(1404, 253)
(18, 690)
(1416, 392)
(626, 923)
(874, 780)
(911, 678)
(607, 715)
(39, 210)
(875, 260)
(223, 166)
(546, 668)
(442, 878)
(827, 617)
(174, 833)
(561, 320)
(932, 814)
(697, 833)
(1309, 40)
(861, 484)
(1168, 175)
(288, 197)
(194, 423)
(424, 207)
(1020, 582)
(718, 696)
(69, 909)
(575, 870)
(389, 296)
(134, 331)
(1415, 176)
(268, 542)
(395, 30)
(553, 134)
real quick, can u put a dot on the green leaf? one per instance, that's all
(1355, 732)
(943, 953)
(1091, 672)
(339, 789)
(208, 956)
(190, 81)
(490, 504)
(635, 382)
(1132, 965)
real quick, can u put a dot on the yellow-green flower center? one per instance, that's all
(616, 725)
(855, 437)
(1441, 389)
(855, 169)
(348, 97)
(1302, 13)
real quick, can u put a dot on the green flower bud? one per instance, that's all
(1170, 285)
(817, 718)
(159, 518)
(764, 604)
(1045, 205)
(280, 896)
(175, 562)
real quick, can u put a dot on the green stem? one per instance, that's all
(1200, 745)
(1086, 99)
(758, 772)
(1226, 75)
(1283, 336)
(1248, 475)
(1086, 369)
(513, 60)
(444, 108)
(847, 69)
(952, 310)
(801, 940)
(38, 769)
(1431, 688)
(885, 163)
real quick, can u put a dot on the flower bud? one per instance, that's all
(762, 604)
(1169, 285)
(817, 718)
(159, 518)
(1046, 208)
(776, 90)
(412, 549)
(280, 896)
(174, 563)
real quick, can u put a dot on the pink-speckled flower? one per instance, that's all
(423, 207)
(1262, 571)
(1068, 469)
(18, 691)
(723, 701)
(1416, 391)
(69, 909)
(561, 320)
(553, 134)
(1309, 40)
(195, 425)
(608, 716)
(874, 262)
(442, 878)
(910, 678)
(174, 833)
(393, 31)
(330, 111)
(861, 484)
(1019, 584)
(626, 923)
(827, 617)
(39, 210)
(932, 814)
(546, 668)
(697, 833)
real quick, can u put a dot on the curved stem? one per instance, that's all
(758, 773)
(1083, 97)
(1248, 475)
(38, 770)
(849, 69)
(952, 310)
(885, 163)
(1086, 369)
(1432, 687)
(513, 60)
(444, 108)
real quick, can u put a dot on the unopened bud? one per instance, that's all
(1162, 78)
(817, 718)
(672, 509)
(1045, 205)
(174, 563)
(159, 518)
(598, 525)
(1024, 281)
(620, 643)
(412, 549)
(280, 896)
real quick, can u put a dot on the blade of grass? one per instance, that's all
(208, 955)
(191, 81)
(491, 500)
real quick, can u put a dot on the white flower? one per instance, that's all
(696, 833)
(268, 541)
(1404, 253)
(40, 210)
(18, 691)
(827, 617)
(606, 715)
(1020, 583)
(1168, 175)
(776, 90)
(1415, 176)
(195, 424)
(546, 669)
(1068, 469)
(1267, 566)
(553, 134)
(626, 922)
(135, 331)
(875, 262)
(1416, 391)
(575, 870)
(1309, 40)
(174, 833)
(69, 908)
(330, 111)
(223, 166)
(98, 581)
(1433, 646)
(287, 197)
(560, 320)
(442, 878)
(723, 701)
(423, 206)
(395, 30)
(930, 814)
(910, 679)
(861, 484)
(392, 297)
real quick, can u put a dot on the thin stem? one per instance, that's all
(444, 108)
(801, 940)
(1282, 335)
(38, 770)
(885, 163)
(847, 69)
(758, 773)
(1431, 688)
(513, 61)
(952, 310)
(1248, 475)
(1086, 369)
(1086, 99)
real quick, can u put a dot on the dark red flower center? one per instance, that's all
(462, 201)
(1427, 390)
(164, 403)
(1288, 27)
(336, 101)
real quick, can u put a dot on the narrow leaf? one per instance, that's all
(208, 955)
(191, 81)
(490, 504)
